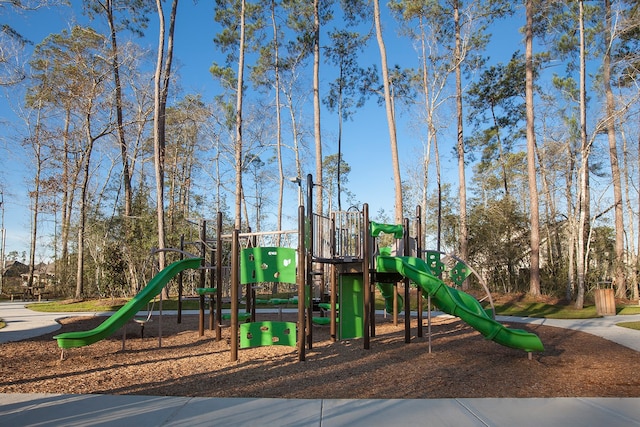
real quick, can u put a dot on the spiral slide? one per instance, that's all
(127, 311)
(458, 303)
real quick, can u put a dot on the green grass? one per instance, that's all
(76, 306)
(516, 308)
(95, 305)
(558, 311)
(630, 325)
(628, 309)
(551, 311)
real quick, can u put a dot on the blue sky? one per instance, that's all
(365, 138)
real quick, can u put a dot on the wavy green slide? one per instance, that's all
(386, 290)
(458, 303)
(127, 311)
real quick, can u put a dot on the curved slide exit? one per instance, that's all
(127, 311)
(458, 303)
(387, 290)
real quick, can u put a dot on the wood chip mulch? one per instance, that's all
(462, 364)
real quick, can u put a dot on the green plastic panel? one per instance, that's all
(268, 264)
(260, 334)
(436, 266)
(351, 300)
(459, 273)
(396, 229)
(243, 317)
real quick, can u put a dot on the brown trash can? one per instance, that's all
(605, 302)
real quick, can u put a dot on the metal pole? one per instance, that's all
(407, 294)
(429, 320)
(367, 297)
(309, 262)
(218, 281)
(180, 280)
(419, 255)
(301, 278)
(203, 257)
(235, 282)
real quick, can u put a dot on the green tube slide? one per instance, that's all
(127, 311)
(458, 303)
(386, 290)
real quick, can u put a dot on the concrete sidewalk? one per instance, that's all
(118, 410)
(603, 327)
(141, 411)
(23, 323)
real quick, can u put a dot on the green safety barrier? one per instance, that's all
(396, 229)
(260, 334)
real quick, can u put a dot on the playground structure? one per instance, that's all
(339, 252)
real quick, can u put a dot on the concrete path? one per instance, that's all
(141, 411)
(603, 327)
(118, 410)
(23, 323)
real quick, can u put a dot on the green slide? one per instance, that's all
(458, 303)
(386, 290)
(127, 311)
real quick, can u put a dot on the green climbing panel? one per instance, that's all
(436, 266)
(260, 334)
(351, 301)
(267, 264)
(459, 273)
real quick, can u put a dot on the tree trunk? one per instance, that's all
(158, 137)
(35, 194)
(431, 132)
(632, 260)
(83, 216)
(124, 151)
(619, 274)
(390, 115)
(583, 191)
(572, 214)
(637, 265)
(463, 234)
(161, 90)
(68, 186)
(238, 144)
(316, 104)
(534, 278)
(278, 119)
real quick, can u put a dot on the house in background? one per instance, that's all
(16, 280)
(14, 269)
(43, 274)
